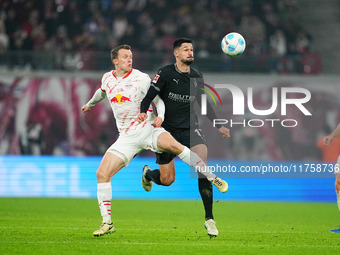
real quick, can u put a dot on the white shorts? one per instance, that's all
(128, 146)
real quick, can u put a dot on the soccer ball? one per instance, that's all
(233, 44)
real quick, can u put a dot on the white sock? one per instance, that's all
(191, 158)
(104, 194)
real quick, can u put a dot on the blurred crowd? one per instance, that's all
(71, 34)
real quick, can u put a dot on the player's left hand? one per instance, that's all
(158, 122)
(224, 131)
(141, 117)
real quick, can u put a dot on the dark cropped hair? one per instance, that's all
(178, 43)
(114, 51)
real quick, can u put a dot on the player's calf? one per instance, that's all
(167, 178)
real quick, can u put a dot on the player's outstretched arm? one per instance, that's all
(98, 96)
(224, 131)
(328, 139)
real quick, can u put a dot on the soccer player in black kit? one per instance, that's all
(179, 87)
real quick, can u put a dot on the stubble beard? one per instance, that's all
(187, 62)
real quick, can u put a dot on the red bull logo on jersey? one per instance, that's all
(120, 99)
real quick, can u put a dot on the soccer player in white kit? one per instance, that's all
(327, 140)
(125, 88)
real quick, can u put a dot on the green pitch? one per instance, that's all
(65, 226)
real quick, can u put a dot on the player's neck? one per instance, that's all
(121, 73)
(184, 68)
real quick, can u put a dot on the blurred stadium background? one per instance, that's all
(53, 53)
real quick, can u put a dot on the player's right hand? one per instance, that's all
(85, 108)
(224, 131)
(158, 122)
(327, 140)
(141, 117)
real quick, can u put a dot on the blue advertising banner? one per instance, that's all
(66, 176)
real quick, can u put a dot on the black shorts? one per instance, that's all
(187, 137)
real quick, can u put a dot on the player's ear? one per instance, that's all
(114, 61)
(175, 53)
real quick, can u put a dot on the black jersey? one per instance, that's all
(179, 91)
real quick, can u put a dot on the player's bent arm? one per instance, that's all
(98, 96)
(160, 111)
(152, 93)
(160, 107)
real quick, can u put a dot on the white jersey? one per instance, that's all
(125, 95)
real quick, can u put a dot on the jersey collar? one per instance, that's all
(113, 73)
(179, 70)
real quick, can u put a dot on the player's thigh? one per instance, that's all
(127, 147)
(109, 166)
(201, 150)
(166, 142)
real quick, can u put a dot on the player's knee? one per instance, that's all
(101, 176)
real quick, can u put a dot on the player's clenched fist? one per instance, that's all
(141, 117)
(85, 108)
(327, 139)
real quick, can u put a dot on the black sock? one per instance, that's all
(154, 175)
(206, 191)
